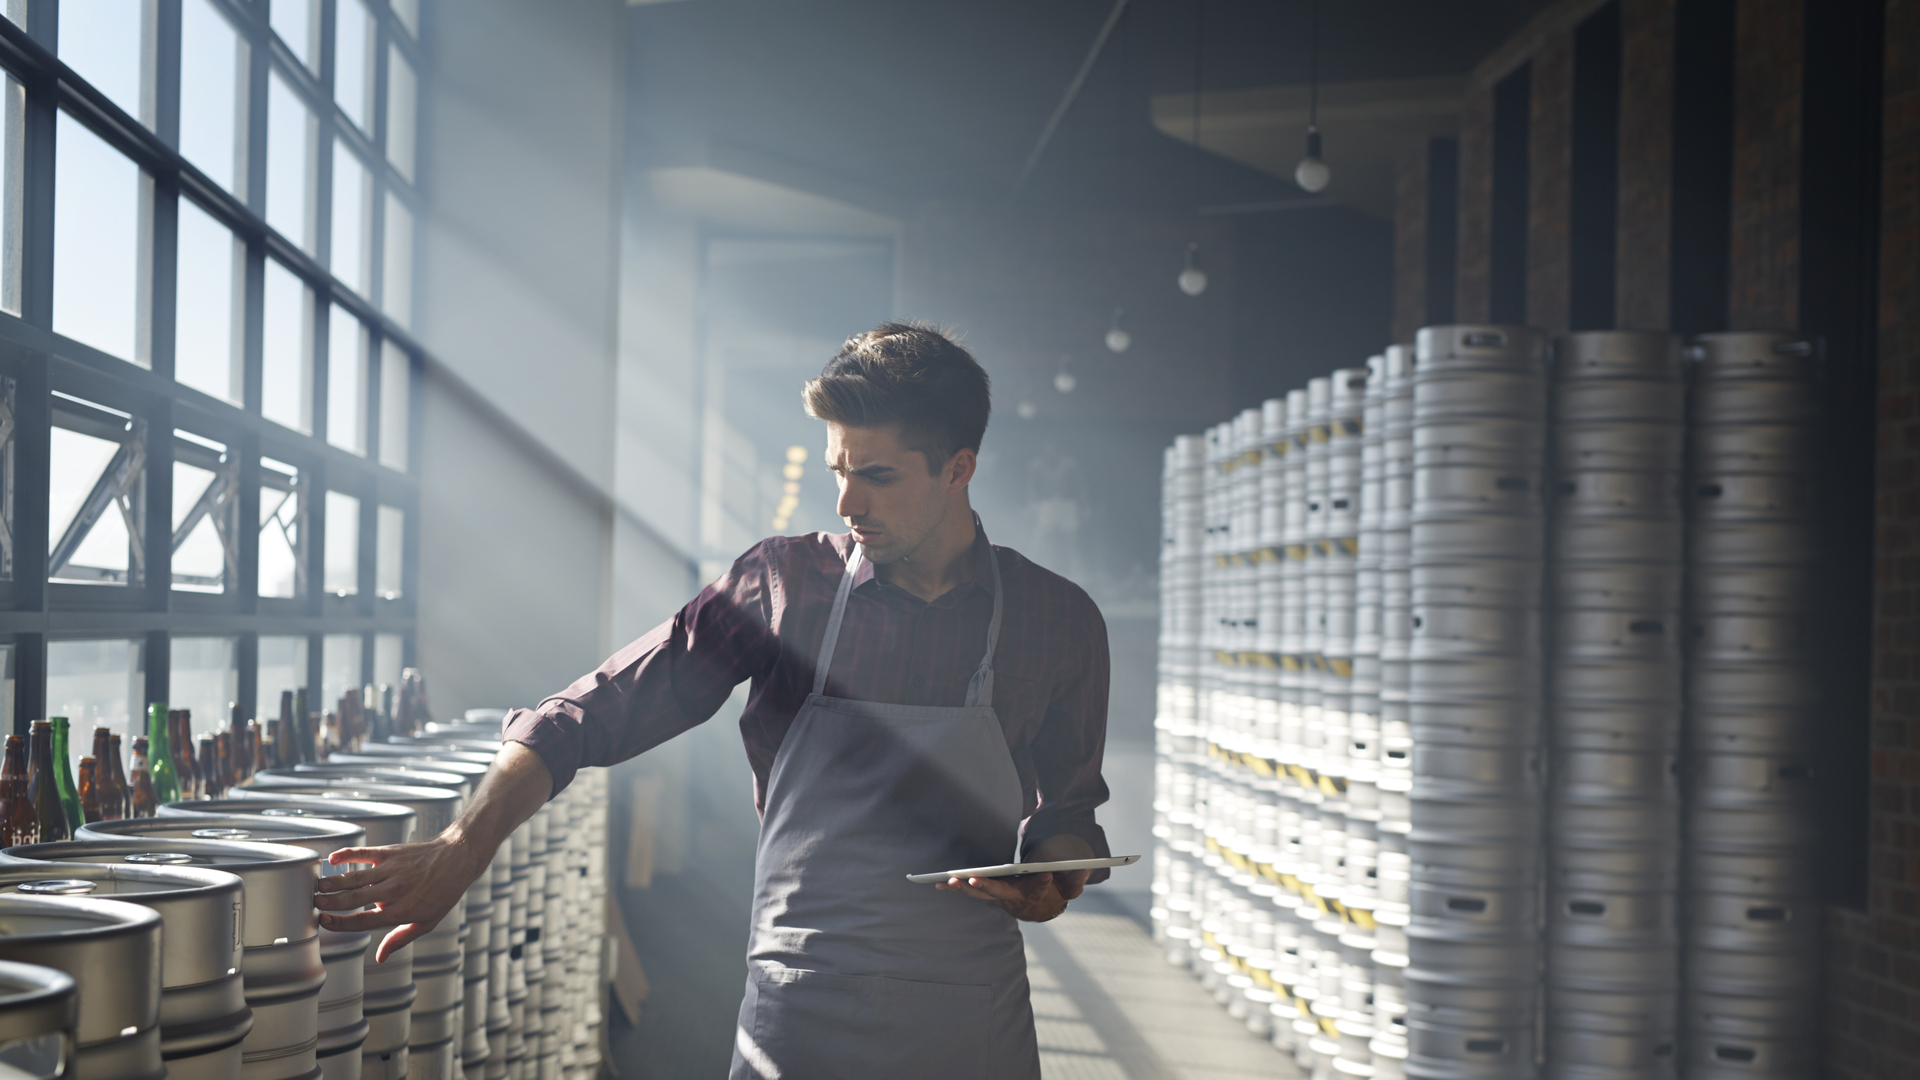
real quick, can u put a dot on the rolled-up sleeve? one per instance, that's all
(672, 678)
(1072, 740)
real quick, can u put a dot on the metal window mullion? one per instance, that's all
(370, 408)
(159, 663)
(165, 71)
(156, 519)
(246, 662)
(313, 536)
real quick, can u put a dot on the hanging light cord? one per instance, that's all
(1313, 68)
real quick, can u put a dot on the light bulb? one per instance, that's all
(1119, 340)
(1312, 173)
(1065, 382)
(1026, 410)
(1192, 280)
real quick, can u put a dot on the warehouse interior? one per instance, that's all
(494, 317)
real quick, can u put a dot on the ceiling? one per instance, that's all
(915, 102)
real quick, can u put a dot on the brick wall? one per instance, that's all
(1549, 169)
(1765, 283)
(1874, 959)
(1641, 259)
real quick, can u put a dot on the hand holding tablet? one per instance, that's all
(1016, 869)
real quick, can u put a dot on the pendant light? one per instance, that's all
(1118, 340)
(1312, 173)
(1192, 279)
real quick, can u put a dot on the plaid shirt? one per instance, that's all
(763, 622)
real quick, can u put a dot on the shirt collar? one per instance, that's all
(982, 570)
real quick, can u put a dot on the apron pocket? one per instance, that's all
(810, 1025)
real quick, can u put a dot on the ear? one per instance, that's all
(960, 469)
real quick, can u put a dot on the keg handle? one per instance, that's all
(164, 858)
(222, 834)
(57, 887)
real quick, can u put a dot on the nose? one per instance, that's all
(850, 504)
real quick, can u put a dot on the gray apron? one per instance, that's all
(853, 972)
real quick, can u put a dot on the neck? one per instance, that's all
(943, 563)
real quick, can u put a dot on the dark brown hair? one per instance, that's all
(908, 374)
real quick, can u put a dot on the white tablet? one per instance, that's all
(1015, 869)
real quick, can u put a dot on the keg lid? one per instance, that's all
(57, 887)
(160, 858)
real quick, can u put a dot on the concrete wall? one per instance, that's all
(518, 306)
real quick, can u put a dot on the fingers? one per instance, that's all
(374, 856)
(400, 938)
(365, 920)
(1071, 883)
(352, 879)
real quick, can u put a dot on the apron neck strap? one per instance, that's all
(979, 688)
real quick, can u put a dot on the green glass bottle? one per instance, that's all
(166, 784)
(63, 774)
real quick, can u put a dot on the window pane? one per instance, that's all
(349, 219)
(95, 684)
(339, 670)
(207, 332)
(395, 370)
(346, 381)
(283, 667)
(210, 92)
(389, 533)
(96, 242)
(389, 653)
(16, 13)
(102, 41)
(206, 553)
(286, 368)
(203, 678)
(343, 545)
(353, 60)
(296, 21)
(280, 523)
(409, 14)
(396, 275)
(289, 164)
(94, 513)
(401, 92)
(13, 172)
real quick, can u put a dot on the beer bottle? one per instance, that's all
(106, 780)
(146, 800)
(239, 754)
(63, 772)
(208, 769)
(18, 825)
(183, 766)
(89, 794)
(43, 787)
(257, 743)
(160, 774)
(121, 787)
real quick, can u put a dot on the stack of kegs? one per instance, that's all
(1386, 530)
(1477, 667)
(110, 952)
(1185, 548)
(38, 1013)
(1752, 1004)
(1614, 706)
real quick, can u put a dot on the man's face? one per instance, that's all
(886, 494)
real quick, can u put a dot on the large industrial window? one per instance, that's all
(208, 390)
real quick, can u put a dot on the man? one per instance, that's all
(921, 700)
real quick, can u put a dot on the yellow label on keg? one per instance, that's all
(1340, 667)
(1262, 979)
(1297, 552)
(1289, 663)
(1256, 659)
(1327, 1027)
(1318, 433)
(1331, 786)
(1349, 544)
(1278, 449)
(1361, 917)
(1316, 662)
(1222, 656)
(1301, 774)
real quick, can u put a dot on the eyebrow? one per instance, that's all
(868, 472)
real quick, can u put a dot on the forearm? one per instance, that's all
(515, 789)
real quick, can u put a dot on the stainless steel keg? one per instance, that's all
(38, 1012)
(389, 989)
(203, 1008)
(281, 966)
(111, 951)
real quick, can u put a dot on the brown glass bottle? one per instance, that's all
(223, 760)
(208, 769)
(42, 788)
(106, 784)
(234, 748)
(18, 824)
(180, 730)
(89, 793)
(256, 746)
(121, 789)
(145, 803)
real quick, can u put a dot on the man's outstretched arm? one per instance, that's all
(413, 886)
